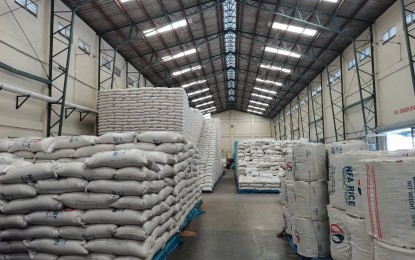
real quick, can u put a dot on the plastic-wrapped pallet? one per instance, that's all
(121, 202)
(260, 165)
(148, 109)
(389, 189)
(209, 146)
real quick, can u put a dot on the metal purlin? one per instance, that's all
(64, 69)
(409, 34)
(367, 87)
(335, 84)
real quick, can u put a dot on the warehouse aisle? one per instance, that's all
(235, 226)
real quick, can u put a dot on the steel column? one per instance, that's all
(408, 36)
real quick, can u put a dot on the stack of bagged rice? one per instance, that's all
(148, 109)
(132, 194)
(260, 165)
(311, 226)
(210, 151)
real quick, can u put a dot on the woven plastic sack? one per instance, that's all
(339, 234)
(11, 247)
(116, 138)
(309, 162)
(117, 216)
(135, 174)
(139, 146)
(88, 233)
(39, 203)
(122, 188)
(88, 257)
(12, 221)
(147, 201)
(29, 173)
(57, 154)
(60, 186)
(57, 246)
(172, 148)
(67, 217)
(5, 144)
(82, 200)
(41, 232)
(139, 233)
(162, 158)
(311, 199)
(16, 191)
(32, 144)
(118, 159)
(7, 158)
(73, 142)
(88, 151)
(121, 247)
(160, 137)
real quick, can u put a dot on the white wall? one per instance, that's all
(392, 80)
(16, 51)
(236, 125)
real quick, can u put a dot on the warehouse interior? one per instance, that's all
(208, 129)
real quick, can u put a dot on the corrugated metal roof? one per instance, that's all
(112, 20)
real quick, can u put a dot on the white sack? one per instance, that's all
(360, 240)
(82, 200)
(389, 189)
(70, 169)
(41, 232)
(283, 194)
(5, 144)
(339, 234)
(383, 251)
(12, 234)
(61, 186)
(139, 146)
(67, 217)
(311, 200)
(147, 201)
(122, 188)
(162, 158)
(42, 256)
(287, 220)
(117, 216)
(312, 237)
(172, 148)
(309, 162)
(136, 174)
(12, 221)
(57, 154)
(88, 233)
(24, 154)
(116, 138)
(16, 191)
(30, 173)
(346, 147)
(16, 256)
(160, 137)
(7, 158)
(57, 246)
(32, 144)
(118, 159)
(121, 247)
(12, 247)
(139, 233)
(88, 257)
(88, 151)
(39, 203)
(73, 142)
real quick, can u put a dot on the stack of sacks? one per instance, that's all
(345, 204)
(148, 109)
(389, 186)
(127, 202)
(311, 199)
(209, 146)
(27, 147)
(260, 165)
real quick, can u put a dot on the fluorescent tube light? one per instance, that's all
(333, 1)
(294, 29)
(269, 81)
(166, 28)
(210, 109)
(178, 55)
(253, 111)
(186, 70)
(202, 98)
(193, 83)
(282, 52)
(204, 104)
(197, 92)
(261, 96)
(275, 68)
(265, 90)
(258, 108)
(259, 103)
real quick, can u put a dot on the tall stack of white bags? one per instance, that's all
(209, 146)
(148, 109)
(128, 198)
(260, 164)
(311, 227)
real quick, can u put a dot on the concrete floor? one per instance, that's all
(235, 226)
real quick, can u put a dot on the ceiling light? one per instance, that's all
(259, 108)
(333, 1)
(123, 1)
(269, 81)
(259, 103)
(282, 52)
(202, 98)
(197, 92)
(210, 109)
(275, 68)
(265, 90)
(261, 96)
(193, 83)
(293, 29)
(186, 70)
(253, 111)
(166, 28)
(178, 55)
(204, 104)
